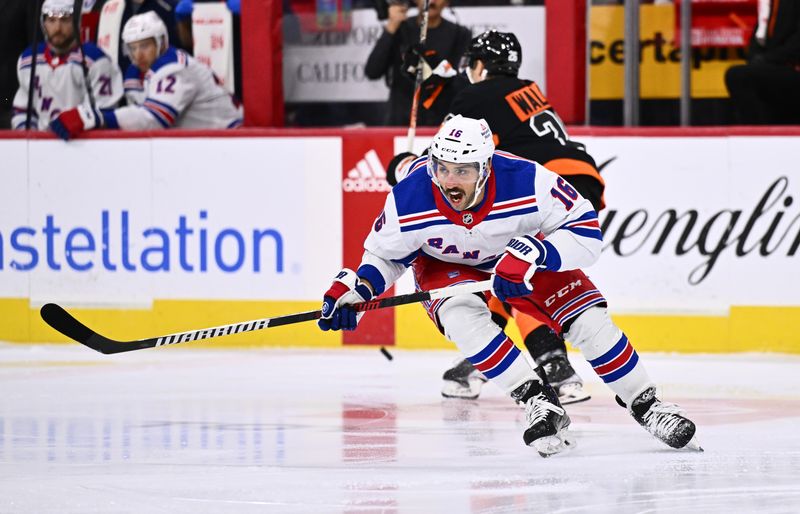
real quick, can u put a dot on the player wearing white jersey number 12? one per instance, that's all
(178, 90)
(466, 213)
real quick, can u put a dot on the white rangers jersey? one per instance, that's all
(60, 85)
(177, 91)
(522, 198)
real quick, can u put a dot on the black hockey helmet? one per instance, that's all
(500, 52)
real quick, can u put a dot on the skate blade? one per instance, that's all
(574, 398)
(452, 389)
(554, 444)
(572, 393)
(693, 445)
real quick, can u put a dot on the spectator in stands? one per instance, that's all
(177, 90)
(765, 90)
(67, 74)
(396, 55)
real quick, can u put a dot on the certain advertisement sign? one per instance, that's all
(659, 56)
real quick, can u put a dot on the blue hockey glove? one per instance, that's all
(346, 289)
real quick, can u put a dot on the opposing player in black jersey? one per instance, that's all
(525, 124)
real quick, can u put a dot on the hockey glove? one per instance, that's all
(514, 271)
(410, 61)
(347, 289)
(432, 63)
(73, 122)
(398, 167)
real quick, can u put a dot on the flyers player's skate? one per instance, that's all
(567, 383)
(462, 381)
(550, 353)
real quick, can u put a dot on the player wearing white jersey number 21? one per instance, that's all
(60, 82)
(177, 90)
(466, 213)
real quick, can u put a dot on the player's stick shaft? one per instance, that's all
(77, 18)
(423, 36)
(32, 81)
(62, 321)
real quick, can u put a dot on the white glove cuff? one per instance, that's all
(88, 117)
(527, 249)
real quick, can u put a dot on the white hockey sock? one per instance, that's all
(467, 322)
(610, 353)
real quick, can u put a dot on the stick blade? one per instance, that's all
(65, 323)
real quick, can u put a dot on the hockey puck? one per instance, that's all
(386, 353)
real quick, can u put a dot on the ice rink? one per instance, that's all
(347, 431)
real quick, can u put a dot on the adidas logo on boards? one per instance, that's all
(368, 175)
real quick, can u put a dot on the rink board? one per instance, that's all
(141, 236)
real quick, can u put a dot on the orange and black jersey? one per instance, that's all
(525, 124)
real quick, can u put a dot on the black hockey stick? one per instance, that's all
(62, 321)
(32, 79)
(423, 36)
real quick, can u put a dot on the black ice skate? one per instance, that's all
(563, 378)
(546, 420)
(665, 421)
(462, 381)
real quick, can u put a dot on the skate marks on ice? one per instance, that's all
(347, 431)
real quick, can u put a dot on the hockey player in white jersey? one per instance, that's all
(466, 213)
(60, 83)
(177, 90)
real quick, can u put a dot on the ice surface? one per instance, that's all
(346, 431)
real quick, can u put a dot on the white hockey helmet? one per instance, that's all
(463, 140)
(144, 26)
(57, 8)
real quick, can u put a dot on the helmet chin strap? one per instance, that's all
(477, 193)
(481, 183)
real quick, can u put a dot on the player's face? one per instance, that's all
(143, 53)
(458, 182)
(60, 31)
